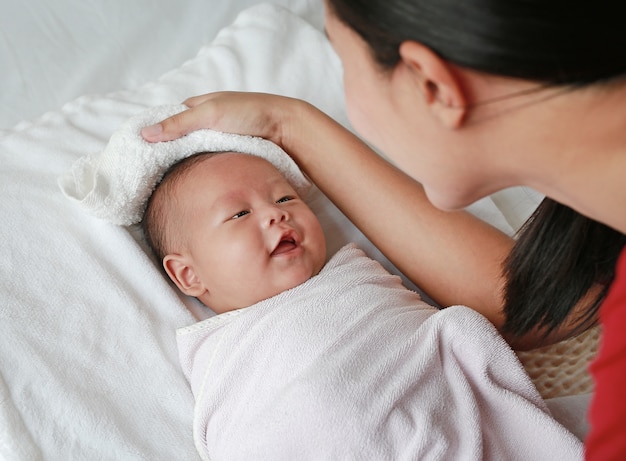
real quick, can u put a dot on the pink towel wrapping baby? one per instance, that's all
(350, 365)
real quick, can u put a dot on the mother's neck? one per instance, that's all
(570, 146)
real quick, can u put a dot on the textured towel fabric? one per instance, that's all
(351, 365)
(116, 183)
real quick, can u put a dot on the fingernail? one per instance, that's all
(152, 130)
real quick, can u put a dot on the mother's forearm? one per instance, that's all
(453, 256)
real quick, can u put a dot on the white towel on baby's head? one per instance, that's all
(116, 183)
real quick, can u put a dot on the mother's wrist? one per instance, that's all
(295, 124)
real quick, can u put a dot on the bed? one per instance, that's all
(88, 360)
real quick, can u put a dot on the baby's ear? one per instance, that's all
(181, 271)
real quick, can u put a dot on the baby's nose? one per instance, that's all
(276, 214)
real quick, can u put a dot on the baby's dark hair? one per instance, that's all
(157, 223)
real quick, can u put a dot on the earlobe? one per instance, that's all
(180, 270)
(437, 80)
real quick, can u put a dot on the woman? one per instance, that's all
(469, 98)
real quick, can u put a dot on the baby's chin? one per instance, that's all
(294, 281)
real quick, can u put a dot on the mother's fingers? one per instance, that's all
(177, 125)
(197, 100)
(254, 114)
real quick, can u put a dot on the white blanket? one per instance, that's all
(350, 365)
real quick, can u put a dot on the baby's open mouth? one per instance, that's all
(285, 245)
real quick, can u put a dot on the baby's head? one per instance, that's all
(231, 230)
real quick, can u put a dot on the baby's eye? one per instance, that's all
(286, 198)
(240, 214)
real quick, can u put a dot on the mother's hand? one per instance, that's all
(256, 114)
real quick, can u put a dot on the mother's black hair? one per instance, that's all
(560, 42)
(560, 256)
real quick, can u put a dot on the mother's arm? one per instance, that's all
(453, 256)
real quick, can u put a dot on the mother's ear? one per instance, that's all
(436, 79)
(180, 270)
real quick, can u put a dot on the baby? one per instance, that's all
(309, 360)
(218, 219)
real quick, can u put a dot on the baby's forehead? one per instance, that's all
(234, 164)
(231, 172)
(229, 157)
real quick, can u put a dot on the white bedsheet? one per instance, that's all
(88, 361)
(54, 51)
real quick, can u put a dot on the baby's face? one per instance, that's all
(246, 235)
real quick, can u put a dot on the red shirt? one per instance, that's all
(607, 415)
